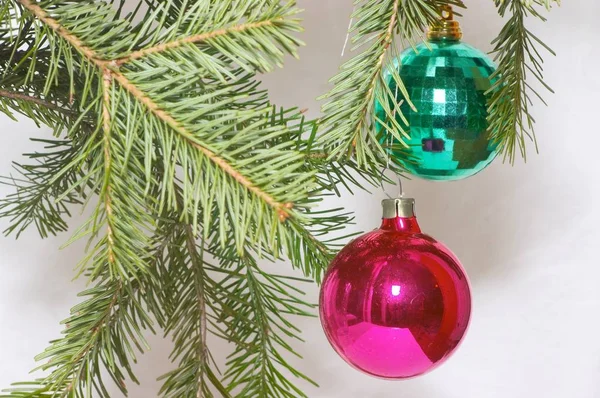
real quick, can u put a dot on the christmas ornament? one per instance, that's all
(395, 303)
(446, 81)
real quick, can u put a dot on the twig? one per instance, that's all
(102, 322)
(107, 83)
(62, 32)
(197, 270)
(14, 95)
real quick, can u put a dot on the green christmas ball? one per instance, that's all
(449, 138)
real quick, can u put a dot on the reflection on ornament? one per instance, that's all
(446, 81)
(395, 303)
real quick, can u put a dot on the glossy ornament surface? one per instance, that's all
(449, 137)
(395, 303)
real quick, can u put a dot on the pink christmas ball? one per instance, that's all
(395, 303)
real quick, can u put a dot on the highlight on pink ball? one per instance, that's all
(395, 303)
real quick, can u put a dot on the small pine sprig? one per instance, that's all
(233, 299)
(257, 321)
(100, 341)
(517, 51)
(38, 184)
(189, 303)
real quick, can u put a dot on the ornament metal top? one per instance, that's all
(446, 81)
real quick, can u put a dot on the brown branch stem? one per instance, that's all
(17, 96)
(107, 85)
(283, 209)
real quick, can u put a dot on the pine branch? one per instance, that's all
(110, 73)
(345, 121)
(255, 309)
(180, 303)
(178, 123)
(202, 37)
(195, 303)
(201, 308)
(189, 137)
(510, 119)
(21, 99)
(217, 22)
(54, 178)
(24, 93)
(39, 185)
(192, 295)
(100, 336)
(260, 109)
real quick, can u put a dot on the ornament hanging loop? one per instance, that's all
(400, 190)
(446, 28)
(447, 13)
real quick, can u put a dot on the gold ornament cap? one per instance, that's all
(399, 207)
(445, 29)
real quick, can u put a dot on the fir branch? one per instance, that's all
(345, 121)
(201, 308)
(25, 98)
(281, 209)
(53, 24)
(100, 335)
(52, 175)
(195, 303)
(23, 93)
(193, 295)
(262, 111)
(256, 319)
(510, 119)
(183, 136)
(55, 179)
(183, 298)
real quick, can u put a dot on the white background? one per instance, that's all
(528, 236)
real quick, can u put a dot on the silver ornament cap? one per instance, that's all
(399, 207)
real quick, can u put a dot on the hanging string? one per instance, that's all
(348, 30)
(400, 190)
(347, 35)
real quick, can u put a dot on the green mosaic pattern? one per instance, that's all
(449, 139)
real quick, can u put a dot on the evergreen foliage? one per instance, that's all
(161, 127)
(517, 52)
